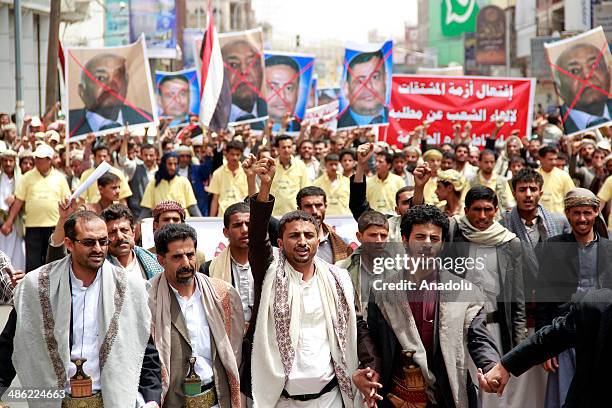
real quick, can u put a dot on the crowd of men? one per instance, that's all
(286, 315)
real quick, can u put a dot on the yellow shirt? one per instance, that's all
(92, 194)
(605, 194)
(178, 189)
(557, 184)
(337, 192)
(230, 189)
(41, 195)
(381, 194)
(286, 184)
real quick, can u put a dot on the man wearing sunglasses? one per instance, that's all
(122, 250)
(83, 307)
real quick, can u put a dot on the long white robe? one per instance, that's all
(12, 244)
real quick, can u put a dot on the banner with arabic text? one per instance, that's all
(445, 100)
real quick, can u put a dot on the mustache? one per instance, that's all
(121, 242)
(184, 269)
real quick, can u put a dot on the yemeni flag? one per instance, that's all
(215, 94)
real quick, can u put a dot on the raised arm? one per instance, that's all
(422, 174)
(358, 202)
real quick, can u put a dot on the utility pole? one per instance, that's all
(51, 96)
(19, 106)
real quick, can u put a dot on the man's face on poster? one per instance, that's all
(367, 99)
(174, 97)
(110, 85)
(579, 61)
(282, 87)
(244, 59)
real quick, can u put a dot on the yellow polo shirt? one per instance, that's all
(381, 193)
(178, 189)
(557, 184)
(605, 195)
(337, 192)
(286, 184)
(41, 195)
(92, 194)
(230, 189)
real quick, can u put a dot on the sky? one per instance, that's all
(343, 20)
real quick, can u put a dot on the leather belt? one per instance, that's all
(307, 397)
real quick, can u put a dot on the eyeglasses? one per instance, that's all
(92, 242)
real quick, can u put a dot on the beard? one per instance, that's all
(183, 270)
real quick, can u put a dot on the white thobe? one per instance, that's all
(244, 283)
(12, 244)
(312, 367)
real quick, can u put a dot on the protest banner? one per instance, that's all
(365, 84)
(178, 95)
(211, 240)
(288, 77)
(324, 115)
(108, 88)
(581, 69)
(157, 21)
(243, 59)
(312, 94)
(443, 101)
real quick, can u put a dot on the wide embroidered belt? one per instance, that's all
(206, 399)
(94, 401)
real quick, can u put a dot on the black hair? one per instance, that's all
(517, 159)
(236, 208)
(462, 145)
(236, 145)
(147, 146)
(402, 190)
(305, 141)
(544, 150)
(282, 60)
(423, 214)
(173, 232)
(388, 156)
(107, 178)
(349, 152)
(486, 152)
(371, 217)
(310, 191)
(292, 216)
(324, 141)
(116, 212)
(332, 157)
(99, 147)
(562, 156)
(71, 221)
(448, 155)
(527, 175)
(480, 193)
(172, 77)
(399, 155)
(282, 138)
(360, 59)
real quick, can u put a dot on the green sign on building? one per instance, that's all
(458, 17)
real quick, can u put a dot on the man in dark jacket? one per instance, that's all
(440, 326)
(585, 327)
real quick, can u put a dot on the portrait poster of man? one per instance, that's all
(178, 95)
(157, 21)
(243, 58)
(288, 78)
(312, 95)
(108, 88)
(581, 68)
(365, 85)
(327, 95)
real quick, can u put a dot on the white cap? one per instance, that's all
(35, 121)
(53, 135)
(44, 151)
